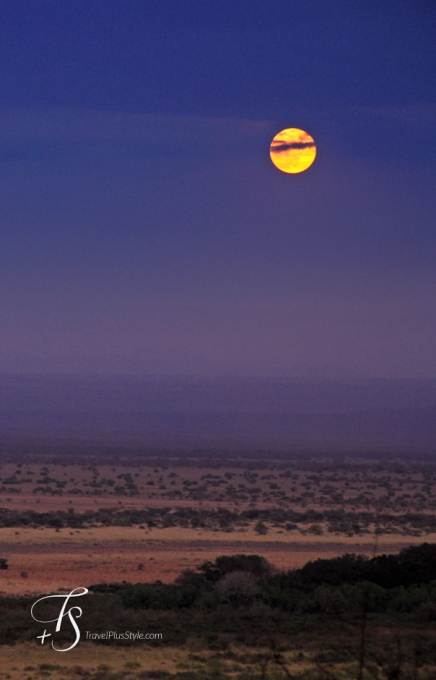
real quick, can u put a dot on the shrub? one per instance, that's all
(238, 588)
(225, 564)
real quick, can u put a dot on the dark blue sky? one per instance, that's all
(143, 226)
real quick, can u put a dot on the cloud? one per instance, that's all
(278, 147)
(24, 133)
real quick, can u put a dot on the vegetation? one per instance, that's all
(308, 521)
(387, 584)
(238, 618)
(243, 597)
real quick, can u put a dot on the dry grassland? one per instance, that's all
(42, 559)
(315, 484)
(31, 660)
(46, 560)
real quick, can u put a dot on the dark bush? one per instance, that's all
(255, 564)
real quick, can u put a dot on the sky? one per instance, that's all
(143, 227)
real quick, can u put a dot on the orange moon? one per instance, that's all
(292, 150)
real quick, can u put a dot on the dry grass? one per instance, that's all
(106, 536)
(45, 559)
(88, 656)
(24, 661)
(68, 558)
(87, 487)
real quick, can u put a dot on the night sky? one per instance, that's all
(143, 227)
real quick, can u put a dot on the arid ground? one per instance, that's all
(394, 499)
(43, 560)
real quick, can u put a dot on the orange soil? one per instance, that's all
(43, 561)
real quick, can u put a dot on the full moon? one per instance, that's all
(292, 150)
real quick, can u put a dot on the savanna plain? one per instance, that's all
(237, 566)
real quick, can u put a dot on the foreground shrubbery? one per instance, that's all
(387, 584)
(244, 598)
